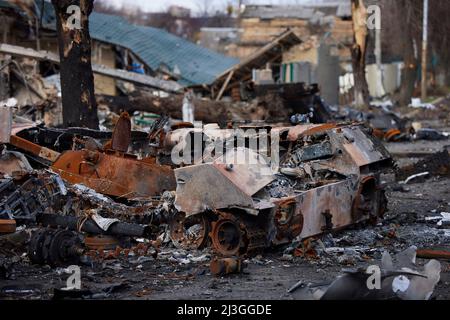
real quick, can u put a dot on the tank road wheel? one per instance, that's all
(189, 233)
(54, 247)
(235, 234)
(227, 237)
(63, 248)
(35, 249)
(370, 201)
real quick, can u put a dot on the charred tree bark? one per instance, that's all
(77, 79)
(205, 110)
(270, 108)
(358, 50)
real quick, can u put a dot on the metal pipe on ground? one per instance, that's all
(89, 226)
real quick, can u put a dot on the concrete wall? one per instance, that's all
(104, 55)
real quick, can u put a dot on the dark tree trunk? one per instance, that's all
(359, 72)
(358, 50)
(409, 74)
(406, 38)
(77, 80)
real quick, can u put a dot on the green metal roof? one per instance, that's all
(156, 47)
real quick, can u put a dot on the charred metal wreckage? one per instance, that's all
(328, 178)
(298, 182)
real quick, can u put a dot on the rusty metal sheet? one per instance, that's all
(34, 149)
(223, 266)
(245, 169)
(121, 137)
(11, 162)
(7, 226)
(439, 252)
(203, 187)
(308, 129)
(335, 199)
(362, 148)
(119, 176)
(288, 221)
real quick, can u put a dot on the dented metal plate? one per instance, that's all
(120, 176)
(247, 170)
(362, 148)
(204, 187)
(226, 183)
(334, 200)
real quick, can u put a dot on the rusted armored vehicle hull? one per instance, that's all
(328, 178)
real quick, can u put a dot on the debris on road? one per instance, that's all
(387, 281)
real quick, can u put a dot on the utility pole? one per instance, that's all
(424, 50)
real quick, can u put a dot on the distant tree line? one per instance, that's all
(402, 30)
(184, 26)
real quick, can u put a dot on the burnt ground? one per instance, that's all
(183, 275)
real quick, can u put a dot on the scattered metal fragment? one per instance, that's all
(396, 281)
(436, 164)
(415, 176)
(224, 266)
(12, 163)
(101, 242)
(438, 252)
(296, 286)
(7, 226)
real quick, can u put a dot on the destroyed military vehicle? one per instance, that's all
(328, 178)
(241, 193)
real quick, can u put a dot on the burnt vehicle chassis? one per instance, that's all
(328, 179)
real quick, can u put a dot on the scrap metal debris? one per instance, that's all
(400, 280)
(335, 187)
(434, 165)
(225, 266)
(275, 183)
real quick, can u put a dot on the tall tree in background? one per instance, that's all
(360, 34)
(403, 16)
(402, 36)
(77, 79)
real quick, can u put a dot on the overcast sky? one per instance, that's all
(161, 5)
